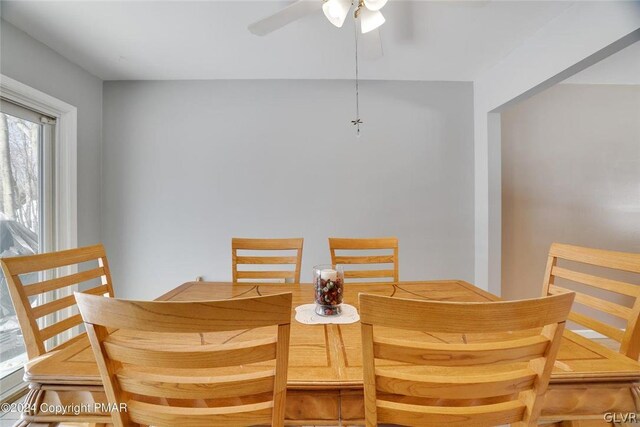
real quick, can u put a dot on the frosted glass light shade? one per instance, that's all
(336, 11)
(370, 20)
(374, 4)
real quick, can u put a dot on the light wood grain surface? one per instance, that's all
(353, 252)
(35, 336)
(629, 335)
(501, 380)
(166, 385)
(325, 379)
(240, 246)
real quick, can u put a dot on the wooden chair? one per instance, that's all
(35, 336)
(182, 384)
(266, 245)
(629, 335)
(389, 243)
(498, 378)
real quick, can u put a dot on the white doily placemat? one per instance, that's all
(306, 314)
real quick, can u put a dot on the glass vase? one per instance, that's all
(328, 282)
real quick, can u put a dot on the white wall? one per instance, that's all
(34, 64)
(188, 165)
(582, 35)
(570, 174)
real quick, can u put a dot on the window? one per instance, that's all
(26, 208)
(40, 212)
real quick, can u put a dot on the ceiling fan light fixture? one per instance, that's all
(336, 11)
(375, 4)
(370, 20)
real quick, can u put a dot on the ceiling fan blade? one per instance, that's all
(371, 44)
(293, 12)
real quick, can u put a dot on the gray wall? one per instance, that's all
(30, 62)
(571, 174)
(188, 165)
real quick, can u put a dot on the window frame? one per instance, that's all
(65, 160)
(63, 184)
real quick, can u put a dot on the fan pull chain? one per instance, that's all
(357, 122)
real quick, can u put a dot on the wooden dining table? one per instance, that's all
(325, 383)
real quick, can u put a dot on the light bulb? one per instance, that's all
(374, 4)
(336, 11)
(370, 20)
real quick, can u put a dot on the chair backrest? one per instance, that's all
(35, 333)
(360, 246)
(254, 245)
(594, 292)
(179, 382)
(485, 375)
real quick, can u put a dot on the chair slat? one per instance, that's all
(41, 262)
(599, 304)
(65, 302)
(611, 259)
(455, 385)
(58, 328)
(98, 290)
(206, 356)
(266, 244)
(485, 415)
(372, 243)
(441, 354)
(144, 382)
(266, 274)
(372, 259)
(266, 260)
(171, 416)
(597, 282)
(463, 317)
(596, 325)
(187, 317)
(59, 304)
(368, 274)
(63, 282)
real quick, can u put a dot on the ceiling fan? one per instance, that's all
(366, 12)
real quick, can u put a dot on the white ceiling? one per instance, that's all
(621, 68)
(146, 40)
